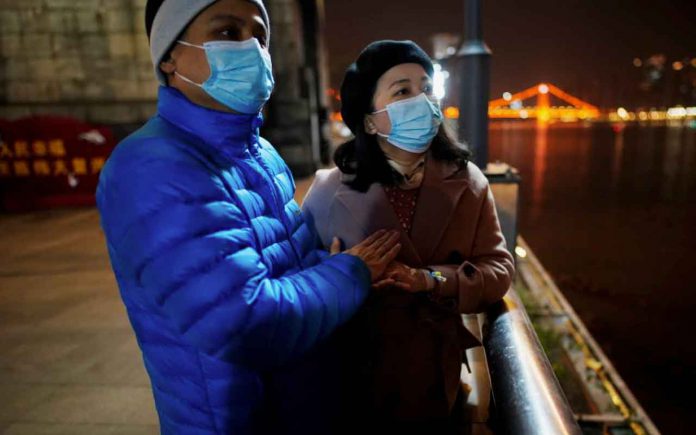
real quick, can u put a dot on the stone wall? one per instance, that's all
(85, 58)
(90, 59)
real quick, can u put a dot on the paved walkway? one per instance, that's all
(69, 362)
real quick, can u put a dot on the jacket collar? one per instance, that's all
(228, 133)
(443, 186)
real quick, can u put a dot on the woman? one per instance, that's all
(403, 352)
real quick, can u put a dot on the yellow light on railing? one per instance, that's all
(521, 252)
(623, 113)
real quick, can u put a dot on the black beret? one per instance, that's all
(361, 77)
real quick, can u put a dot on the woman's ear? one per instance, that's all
(370, 127)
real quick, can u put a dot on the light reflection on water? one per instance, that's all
(580, 164)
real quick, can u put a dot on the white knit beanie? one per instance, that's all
(165, 20)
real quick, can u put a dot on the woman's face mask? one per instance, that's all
(415, 122)
(241, 74)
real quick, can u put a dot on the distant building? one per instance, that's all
(665, 82)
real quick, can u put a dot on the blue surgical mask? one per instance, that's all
(241, 74)
(415, 122)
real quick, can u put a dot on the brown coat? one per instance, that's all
(417, 342)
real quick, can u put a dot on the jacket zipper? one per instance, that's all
(280, 209)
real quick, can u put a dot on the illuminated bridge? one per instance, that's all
(511, 106)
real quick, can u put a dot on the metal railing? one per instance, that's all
(527, 396)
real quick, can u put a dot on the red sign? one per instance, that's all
(50, 161)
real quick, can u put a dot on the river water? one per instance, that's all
(610, 211)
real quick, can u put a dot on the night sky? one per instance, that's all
(586, 47)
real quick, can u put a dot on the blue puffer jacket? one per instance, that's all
(217, 267)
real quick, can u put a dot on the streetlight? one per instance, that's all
(440, 76)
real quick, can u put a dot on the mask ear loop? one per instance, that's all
(184, 78)
(187, 80)
(188, 44)
(386, 136)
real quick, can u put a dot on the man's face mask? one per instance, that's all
(241, 74)
(415, 122)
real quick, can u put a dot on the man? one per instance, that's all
(216, 266)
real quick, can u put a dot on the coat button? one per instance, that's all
(469, 270)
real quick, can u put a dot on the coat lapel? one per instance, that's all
(372, 212)
(437, 201)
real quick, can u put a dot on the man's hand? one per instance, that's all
(377, 251)
(401, 276)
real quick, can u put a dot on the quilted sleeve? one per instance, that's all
(174, 231)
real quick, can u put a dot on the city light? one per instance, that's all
(524, 114)
(452, 112)
(637, 62)
(678, 66)
(677, 113)
(440, 76)
(507, 96)
(693, 62)
(544, 89)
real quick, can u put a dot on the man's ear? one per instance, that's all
(168, 66)
(370, 127)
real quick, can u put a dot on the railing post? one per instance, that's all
(474, 76)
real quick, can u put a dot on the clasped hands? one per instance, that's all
(379, 252)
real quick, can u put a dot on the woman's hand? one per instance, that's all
(377, 251)
(401, 276)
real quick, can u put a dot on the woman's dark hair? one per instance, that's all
(362, 158)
